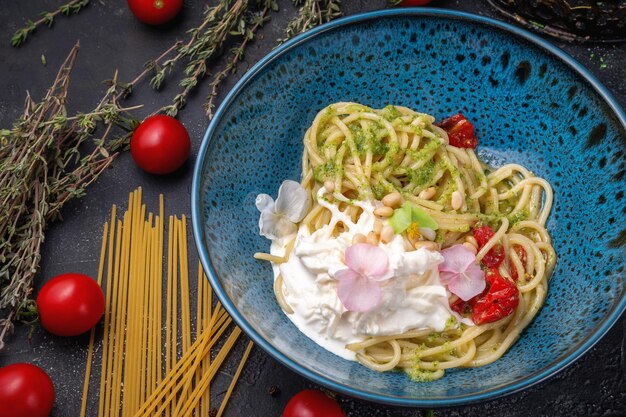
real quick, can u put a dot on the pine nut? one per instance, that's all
(392, 200)
(470, 247)
(383, 211)
(359, 238)
(428, 193)
(372, 238)
(456, 200)
(386, 235)
(378, 226)
(471, 240)
(329, 185)
(426, 244)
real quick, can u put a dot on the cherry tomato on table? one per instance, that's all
(70, 304)
(160, 145)
(155, 12)
(414, 2)
(312, 403)
(25, 391)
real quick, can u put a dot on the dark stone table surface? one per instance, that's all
(111, 38)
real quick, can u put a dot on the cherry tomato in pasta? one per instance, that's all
(408, 3)
(521, 254)
(499, 300)
(70, 304)
(495, 256)
(155, 12)
(460, 131)
(160, 145)
(312, 403)
(25, 391)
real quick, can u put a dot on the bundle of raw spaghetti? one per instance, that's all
(146, 371)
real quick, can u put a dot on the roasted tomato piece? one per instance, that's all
(495, 256)
(460, 131)
(499, 300)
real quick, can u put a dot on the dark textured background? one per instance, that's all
(111, 38)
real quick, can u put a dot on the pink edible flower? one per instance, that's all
(358, 287)
(461, 273)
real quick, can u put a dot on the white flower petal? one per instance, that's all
(275, 226)
(292, 201)
(264, 203)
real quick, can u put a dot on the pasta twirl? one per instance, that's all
(392, 180)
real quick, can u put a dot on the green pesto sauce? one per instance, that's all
(371, 140)
(420, 375)
(325, 171)
(424, 175)
(390, 113)
(451, 322)
(518, 217)
(433, 336)
(379, 191)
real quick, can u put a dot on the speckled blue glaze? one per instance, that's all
(530, 103)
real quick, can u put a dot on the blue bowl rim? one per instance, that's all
(491, 394)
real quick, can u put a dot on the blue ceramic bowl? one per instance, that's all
(530, 103)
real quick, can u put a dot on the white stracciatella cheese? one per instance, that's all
(413, 298)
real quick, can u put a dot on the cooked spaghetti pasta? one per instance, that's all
(354, 154)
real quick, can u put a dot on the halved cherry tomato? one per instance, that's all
(521, 254)
(499, 300)
(495, 256)
(160, 145)
(408, 3)
(312, 403)
(155, 12)
(460, 131)
(70, 304)
(25, 391)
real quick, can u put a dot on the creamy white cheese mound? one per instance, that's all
(413, 298)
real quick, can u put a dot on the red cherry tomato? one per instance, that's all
(70, 304)
(155, 12)
(25, 391)
(499, 300)
(495, 256)
(407, 3)
(460, 131)
(521, 254)
(160, 145)
(312, 403)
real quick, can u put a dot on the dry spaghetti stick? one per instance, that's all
(172, 378)
(144, 291)
(199, 329)
(108, 313)
(208, 297)
(168, 319)
(120, 319)
(235, 379)
(184, 285)
(187, 410)
(190, 370)
(83, 407)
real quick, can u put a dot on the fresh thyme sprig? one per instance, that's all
(43, 165)
(247, 32)
(47, 18)
(311, 13)
(206, 44)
